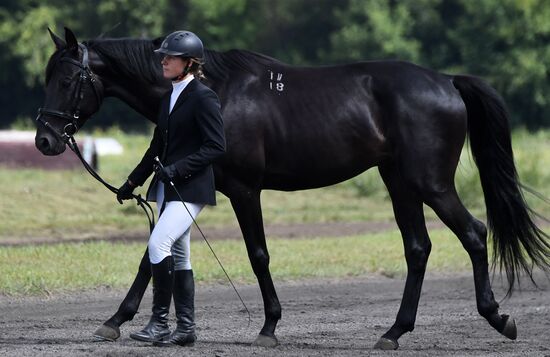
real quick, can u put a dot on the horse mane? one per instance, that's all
(140, 61)
(218, 65)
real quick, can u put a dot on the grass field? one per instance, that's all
(68, 204)
(47, 269)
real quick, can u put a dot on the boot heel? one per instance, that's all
(163, 282)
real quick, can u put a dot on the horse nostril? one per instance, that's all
(43, 144)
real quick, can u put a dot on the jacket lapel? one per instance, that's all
(183, 96)
(163, 112)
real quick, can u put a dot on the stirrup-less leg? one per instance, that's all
(163, 282)
(184, 303)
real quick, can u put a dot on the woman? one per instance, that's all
(188, 138)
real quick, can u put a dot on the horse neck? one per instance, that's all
(141, 96)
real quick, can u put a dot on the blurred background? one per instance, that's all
(506, 42)
(503, 41)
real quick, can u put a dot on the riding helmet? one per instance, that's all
(182, 43)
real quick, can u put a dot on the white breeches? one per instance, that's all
(172, 233)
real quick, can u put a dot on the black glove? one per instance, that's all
(125, 192)
(168, 173)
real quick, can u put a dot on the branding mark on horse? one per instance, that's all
(278, 85)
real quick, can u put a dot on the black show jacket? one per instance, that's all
(191, 137)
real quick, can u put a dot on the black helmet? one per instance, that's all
(182, 43)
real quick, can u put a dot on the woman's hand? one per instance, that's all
(168, 174)
(125, 191)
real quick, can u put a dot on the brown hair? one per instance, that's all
(196, 69)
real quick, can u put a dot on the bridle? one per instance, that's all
(73, 124)
(73, 119)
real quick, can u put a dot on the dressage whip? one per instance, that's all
(206, 240)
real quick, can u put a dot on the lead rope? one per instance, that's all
(149, 212)
(207, 243)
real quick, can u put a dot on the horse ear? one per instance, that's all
(59, 43)
(72, 43)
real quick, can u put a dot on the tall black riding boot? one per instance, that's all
(163, 283)
(184, 302)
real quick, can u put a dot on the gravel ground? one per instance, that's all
(342, 317)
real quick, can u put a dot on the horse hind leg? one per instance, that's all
(409, 215)
(473, 236)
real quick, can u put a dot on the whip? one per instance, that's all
(206, 240)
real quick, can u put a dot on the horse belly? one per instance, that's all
(320, 162)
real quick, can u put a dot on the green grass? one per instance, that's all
(70, 204)
(68, 267)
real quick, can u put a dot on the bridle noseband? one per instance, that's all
(73, 118)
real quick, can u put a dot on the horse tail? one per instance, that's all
(518, 244)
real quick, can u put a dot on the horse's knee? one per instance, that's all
(417, 256)
(475, 239)
(259, 259)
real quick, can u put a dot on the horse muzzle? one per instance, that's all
(48, 145)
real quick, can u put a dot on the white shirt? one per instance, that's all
(177, 88)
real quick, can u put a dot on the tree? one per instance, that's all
(376, 29)
(506, 41)
(503, 41)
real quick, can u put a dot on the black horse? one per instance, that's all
(293, 128)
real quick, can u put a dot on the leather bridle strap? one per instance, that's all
(72, 119)
(73, 125)
(149, 212)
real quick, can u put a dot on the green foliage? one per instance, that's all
(26, 37)
(505, 42)
(375, 30)
(369, 184)
(40, 270)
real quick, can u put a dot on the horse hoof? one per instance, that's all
(265, 341)
(510, 329)
(386, 344)
(107, 333)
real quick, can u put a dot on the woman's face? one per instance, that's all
(172, 66)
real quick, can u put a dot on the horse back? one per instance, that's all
(307, 127)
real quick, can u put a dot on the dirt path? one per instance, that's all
(320, 318)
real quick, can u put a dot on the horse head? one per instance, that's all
(73, 94)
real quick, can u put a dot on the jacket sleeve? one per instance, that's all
(145, 168)
(210, 123)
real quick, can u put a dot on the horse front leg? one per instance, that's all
(247, 207)
(110, 330)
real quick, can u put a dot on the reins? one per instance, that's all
(149, 212)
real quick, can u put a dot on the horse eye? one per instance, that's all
(65, 82)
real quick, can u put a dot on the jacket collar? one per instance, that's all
(191, 87)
